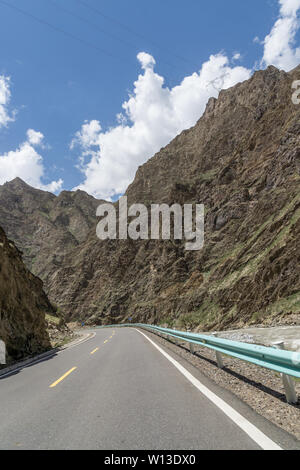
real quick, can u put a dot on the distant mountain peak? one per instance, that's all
(17, 181)
(242, 161)
(45, 226)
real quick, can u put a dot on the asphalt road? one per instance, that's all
(116, 391)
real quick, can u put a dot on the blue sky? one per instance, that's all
(58, 83)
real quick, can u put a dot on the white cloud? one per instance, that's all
(34, 137)
(146, 60)
(87, 136)
(152, 117)
(155, 114)
(236, 56)
(26, 163)
(289, 7)
(5, 95)
(279, 45)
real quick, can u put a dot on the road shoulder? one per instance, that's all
(189, 362)
(46, 355)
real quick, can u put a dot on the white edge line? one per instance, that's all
(83, 340)
(42, 359)
(252, 431)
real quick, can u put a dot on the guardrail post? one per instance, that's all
(219, 357)
(288, 382)
(2, 352)
(176, 341)
(192, 350)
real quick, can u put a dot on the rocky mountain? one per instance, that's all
(43, 226)
(23, 305)
(242, 160)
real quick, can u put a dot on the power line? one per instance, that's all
(84, 20)
(80, 18)
(60, 30)
(135, 33)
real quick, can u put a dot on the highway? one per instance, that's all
(119, 391)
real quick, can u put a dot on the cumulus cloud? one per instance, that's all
(5, 95)
(87, 137)
(152, 116)
(146, 60)
(26, 163)
(279, 45)
(34, 137)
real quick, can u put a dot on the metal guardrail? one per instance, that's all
(287, 363)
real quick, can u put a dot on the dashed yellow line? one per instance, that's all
(106, 341)
(95, 350)
(63, 377)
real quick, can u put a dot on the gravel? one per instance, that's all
(290, 335)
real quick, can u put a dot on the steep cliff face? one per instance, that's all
(43, 226)
(23, 305)
(242, 161)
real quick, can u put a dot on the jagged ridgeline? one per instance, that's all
(242, 161)
(23, 305)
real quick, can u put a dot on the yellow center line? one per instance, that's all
(95, 350)
(63, 377)
(110, 337)
(106, 341)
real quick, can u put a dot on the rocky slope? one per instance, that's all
(23, 305)
(241, 160)
(43, 226)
